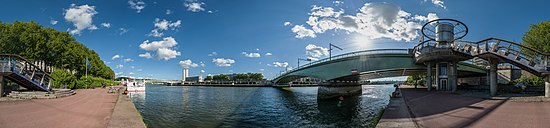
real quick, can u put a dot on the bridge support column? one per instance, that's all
(1, 86)
(547, 86)
(437, 82)
(429, 77)
(452, 76)
(493, 76)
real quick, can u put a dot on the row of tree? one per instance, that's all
(58, 49)
(236, 77)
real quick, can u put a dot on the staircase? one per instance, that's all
(24, 73)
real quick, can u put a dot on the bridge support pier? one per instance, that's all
(493, 76)
(547, 86)
(429, 76)
(452, 76)
(1, 86)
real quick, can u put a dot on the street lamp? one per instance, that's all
(330, 50)
(308, 59)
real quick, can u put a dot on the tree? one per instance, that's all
(221, 77)
(63, 79)
(538, 37)
(415, 80)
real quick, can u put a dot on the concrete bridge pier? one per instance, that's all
(453, 76)
(1, 86)
(493, 76)
(429, 76)
(547, 86)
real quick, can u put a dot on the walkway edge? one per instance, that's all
(397, 115)
(125, 114)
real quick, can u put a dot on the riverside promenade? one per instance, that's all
(441, 109)
(88, 108)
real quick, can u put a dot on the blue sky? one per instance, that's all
(239, 31)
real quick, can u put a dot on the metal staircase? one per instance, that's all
(502, 50)
(24, 73)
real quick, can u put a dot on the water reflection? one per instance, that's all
(166, 106)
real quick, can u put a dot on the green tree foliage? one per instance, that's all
(57, 49)
(415, 80)
(538, 37)
(532, 80)
(208, 78)
(63, 79)
(221, 77)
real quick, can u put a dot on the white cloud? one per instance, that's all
(261, 70)
(221, 62)
(137, 5)
(252, 55)
(105, 24)
(167, 54)
(202, 71)
(268, 54)
(167, 42)
(338, 2)
(119, 73)
(430, 17)
(373, 21)
(314, 52)
(439, 3)
(128, 60)
(81, 17)
(213, 54)
(132, 67)
(279, 64)
(116, 57)
(162, 25)
(146, 55)
(139, 70)
(202, 64)
(188, 63)
(164, 48)
(168, 12)
(302, 32)
(194, 6)
(119, 66)
(287, 23)
(53, 22)
(122, 31)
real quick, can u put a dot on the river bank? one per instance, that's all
(125, 114)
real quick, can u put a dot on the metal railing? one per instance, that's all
(346, 55)
(10, 63)
(492, 45)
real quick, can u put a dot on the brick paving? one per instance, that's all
(447, 110)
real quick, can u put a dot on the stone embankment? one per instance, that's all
(58, 93)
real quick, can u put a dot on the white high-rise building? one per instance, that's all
(185, 74)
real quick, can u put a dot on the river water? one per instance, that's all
(196, 106)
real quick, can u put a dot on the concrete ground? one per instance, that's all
(89, 108)
(442, 109)
(126, 115)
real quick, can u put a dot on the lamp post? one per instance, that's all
(308, 59)
(330, 45)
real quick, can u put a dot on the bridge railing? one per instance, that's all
(351, 54)
(494, 45)
(10, 63)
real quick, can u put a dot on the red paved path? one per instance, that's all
(445, 110)
(89, 108)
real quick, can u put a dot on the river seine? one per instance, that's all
(200, 106)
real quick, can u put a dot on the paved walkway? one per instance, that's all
(396, 115)
(89, 108)
(440, 109)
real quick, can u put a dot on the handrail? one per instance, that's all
(535, 58)
(20, 57)
(356, 53)
(23, 67)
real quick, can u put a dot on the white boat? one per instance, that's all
(135, 86)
